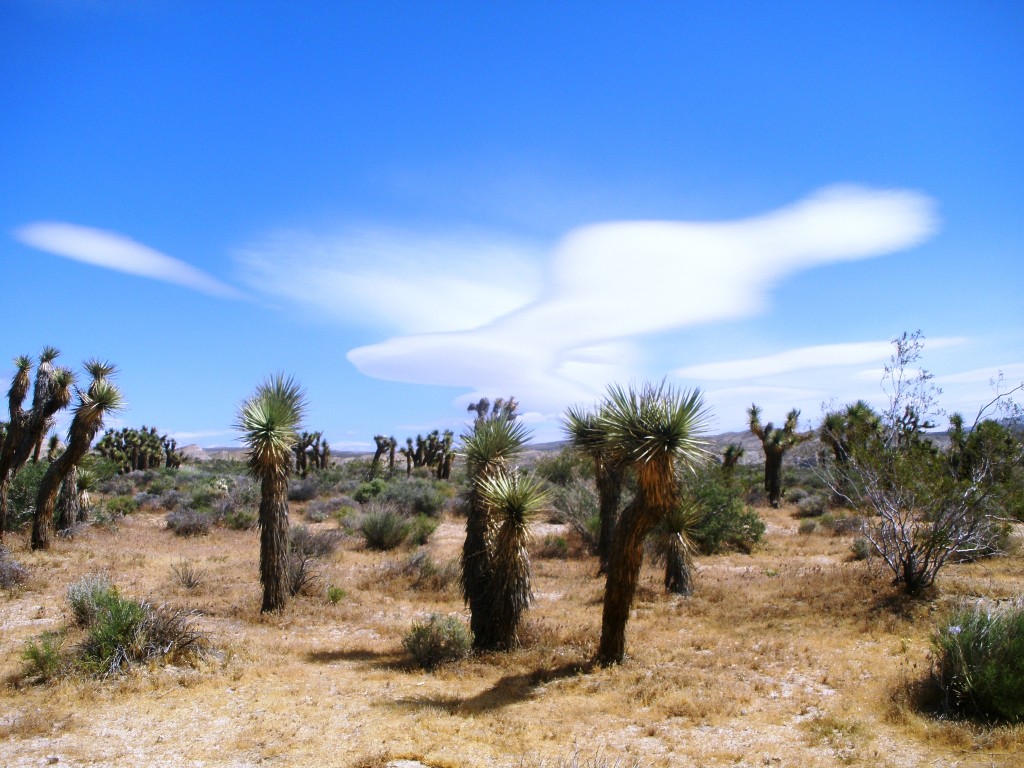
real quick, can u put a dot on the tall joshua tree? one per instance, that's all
(514, 500)
(487, 449)
(51, 393)
(100, 399)
(270, 421)
(587, 436)
(652, 429)
(775, 443)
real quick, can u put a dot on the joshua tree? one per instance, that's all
(101, 398)
(383, 444)
(513, 501)
(269, 421)
(52, 392)
(650, 430)
(587, 436)
(775, 442)
(730, 458)
(487, 450)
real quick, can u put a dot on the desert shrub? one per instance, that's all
(187, 575)
(21, 496)
(807, 527)
(321, 509)
(383, 527)
(796, 495)
(42, 657)
(302, 573)
(727, 523)
(189, 522)
(12, 573)
(313, 543)
(303, 489)
(172, 499)
(335, 594)
(439, 640)
(577, 505)
(811, 506)
(428, 575)
(563, 467)
(421, 528)
(371, 489)
(118, 485)
(554, 546)
(842, 526)
(119, 506)
(85, 596)
(978, 662)
(241, 519)
(126, 631)
(861, 548)
(416, 495)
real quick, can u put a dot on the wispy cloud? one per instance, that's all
(111, 250)
(610, 285)
(393, 280)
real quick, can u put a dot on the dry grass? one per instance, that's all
(791, 656)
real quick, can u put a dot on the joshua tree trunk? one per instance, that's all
(476, 573)
(49, 487)
(773, 475)
(609, 489)
(274, 542)
(624, 563)
(677, 568)
(69, 505)
(5, 484)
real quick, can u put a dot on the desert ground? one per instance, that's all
(794, 655)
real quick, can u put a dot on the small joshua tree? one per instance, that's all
(775, 443)
(269, 421)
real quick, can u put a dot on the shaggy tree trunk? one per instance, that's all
(624, 561)
(69, 505)
(49, 487)
(609, 490)
(678, 578)
(476, 573)
(773, 476)
(273, 522)
(509, 590)
(5, 484)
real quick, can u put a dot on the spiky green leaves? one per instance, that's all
(513, 498)
(584, 429)
(654, 422)
(492, 441)
(269, 421)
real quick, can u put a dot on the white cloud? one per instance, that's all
(610, 285)
(111, 250)
(396, 281)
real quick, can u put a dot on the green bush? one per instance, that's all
(116, 635)
(564, 466)
(21, 497)
(807, 527)
(439, 640)
(336, 594)
(862, 549)
(727, 523)
(370, 490)
(979, 662)
(420, 529)
(119, 506)
(42, 656)
(384, 528)
(811, 506)
(241, 519)
(577, 504)
(303, 489)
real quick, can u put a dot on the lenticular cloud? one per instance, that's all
(111, 250)
(608, 285)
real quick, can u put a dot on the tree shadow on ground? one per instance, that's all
(508, 690)
(397, 661)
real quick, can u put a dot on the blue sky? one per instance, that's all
(408, 205)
